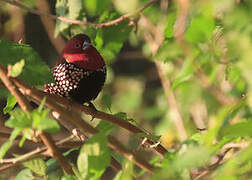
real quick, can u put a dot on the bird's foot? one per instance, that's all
(94, 110)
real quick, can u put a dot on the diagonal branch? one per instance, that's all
(78, 107)
(84, 127)
(84, 23)
(25, 105)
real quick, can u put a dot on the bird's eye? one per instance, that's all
(77, 45)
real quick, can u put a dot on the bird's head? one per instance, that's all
(80, 52)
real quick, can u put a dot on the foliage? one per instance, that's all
(209, 72)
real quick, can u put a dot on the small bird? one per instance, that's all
(80, 72)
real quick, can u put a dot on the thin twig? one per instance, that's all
(171, 99)
(213, 166)
(85, 23)
(33, 153)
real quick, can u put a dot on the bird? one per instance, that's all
(80, 71)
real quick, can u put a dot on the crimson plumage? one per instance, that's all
(80, 72)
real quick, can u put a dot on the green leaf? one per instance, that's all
(126, 6)
(69, 177)
(94, 157)
(150, 137)
(47, 124)
(95, 7)
(185, 73)
(37, 165)
(11, 102)
(127, 173)
(168, 51)
(201, 26)
(25, 174)
(40, 108)
(6, 146)
(123, 115)
(19, 119)
(42, 122)
(107, 101)
(17, 68)
(168, 33)
(113, 39)
(105, 127)
(193, 157)
(237, 130)
(35, 72)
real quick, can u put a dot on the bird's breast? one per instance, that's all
(77, 83)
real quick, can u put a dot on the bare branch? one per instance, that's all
(85, 23)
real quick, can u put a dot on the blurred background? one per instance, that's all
(176, 69)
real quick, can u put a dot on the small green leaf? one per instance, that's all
(11, 102)
(41, 105)
(237, 130)
(42, 122)
(186, 72)
(17, 68)
(126, 6)
(69, 177)
(123, 115)
(37, 165)
(25, 174)
(193, 157)
(95, 7)
(6, 146)
(105, 127)
(113, 39)
(127, 173)
(94, 157)
(107, 101)
(150, 137)
(19, 119)
(170, 23)
(168, 51)
(47, 124)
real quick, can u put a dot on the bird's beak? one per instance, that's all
(85, 45)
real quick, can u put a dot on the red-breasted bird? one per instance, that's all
(80, 73)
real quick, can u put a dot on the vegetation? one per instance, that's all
(176, 103)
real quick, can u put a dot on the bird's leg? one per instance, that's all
(94, 110)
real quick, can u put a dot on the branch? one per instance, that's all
(54, 151)
(78, 122)
(78, 107)
(25, 105)
(84, 23)
(213, 166)
(33, 153)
